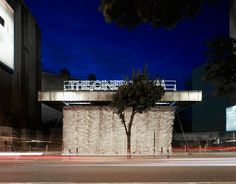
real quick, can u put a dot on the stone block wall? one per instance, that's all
(97, 130)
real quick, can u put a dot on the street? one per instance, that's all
(41, 169)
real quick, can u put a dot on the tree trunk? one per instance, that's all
(128, 133)
(129, 145)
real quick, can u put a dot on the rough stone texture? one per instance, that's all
(97, 130)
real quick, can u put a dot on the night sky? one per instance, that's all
(75, 36)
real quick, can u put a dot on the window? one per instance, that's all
(2, 22)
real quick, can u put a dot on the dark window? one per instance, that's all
(2, 22)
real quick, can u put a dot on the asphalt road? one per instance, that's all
(76, 170)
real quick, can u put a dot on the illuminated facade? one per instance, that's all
(90, 126)
(97, 130)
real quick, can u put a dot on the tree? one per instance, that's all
(92, 77)
(139, 95)
(221, 64)
(64, 73)
(159, 13)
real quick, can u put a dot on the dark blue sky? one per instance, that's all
(75, 36)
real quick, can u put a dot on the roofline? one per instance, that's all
(106, 96)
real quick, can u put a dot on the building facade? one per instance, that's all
(97, 130)
(54, 82)
(210, 114)
(90, 126)
(232, 19)
(19, 108)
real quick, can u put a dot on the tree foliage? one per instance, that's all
(221, 64)
(139, 95)
(92, 77)
(159, 13)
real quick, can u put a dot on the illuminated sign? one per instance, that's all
(6, 35)
(108, 85)
(231, 118)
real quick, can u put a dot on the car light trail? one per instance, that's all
(21, 153)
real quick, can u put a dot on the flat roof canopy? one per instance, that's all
(58, 99)
(103, 96)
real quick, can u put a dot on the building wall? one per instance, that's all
(19, 107)
(208, 115)
(232, 18)
(98, 130)
(51, 82)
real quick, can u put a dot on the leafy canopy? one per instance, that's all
(221, 64)
(159, 13)
(139, 94)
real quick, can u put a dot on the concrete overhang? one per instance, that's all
(58, 99)
(106, 96)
